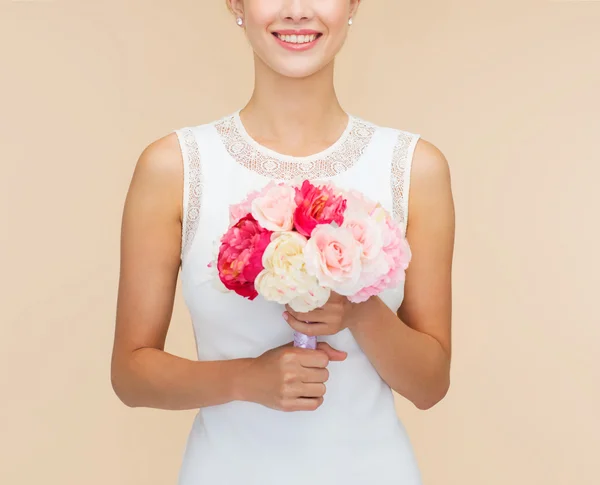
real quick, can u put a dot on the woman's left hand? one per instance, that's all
(331, 318)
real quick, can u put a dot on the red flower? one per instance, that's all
(240, 256)
(317, 205)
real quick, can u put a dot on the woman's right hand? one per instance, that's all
(288, 378)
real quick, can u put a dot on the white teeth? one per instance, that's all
(297, 39)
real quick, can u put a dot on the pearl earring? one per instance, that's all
(240, 21)
(350, 21)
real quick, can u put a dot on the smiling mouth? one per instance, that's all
(297, 39)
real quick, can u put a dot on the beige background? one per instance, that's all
(507, 90)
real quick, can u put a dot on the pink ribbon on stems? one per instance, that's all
(303, 341)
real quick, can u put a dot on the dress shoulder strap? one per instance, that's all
(192, 186)
(401, 166)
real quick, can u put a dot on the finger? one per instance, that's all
(333, 354)
(335, 297)
(316, 389)
(314, 375)
(313, 359)
(302, 404)
(316, 316)
(310, 329)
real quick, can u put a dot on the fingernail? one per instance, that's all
(285, 315)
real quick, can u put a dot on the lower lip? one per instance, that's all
(297, 47)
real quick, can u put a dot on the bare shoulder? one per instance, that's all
(430, 195)
(158, 176)
(161, 159)
(150, 247)
(431, 229)
(430, 165)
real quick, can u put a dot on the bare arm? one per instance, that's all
(143, 374)
(412, 350)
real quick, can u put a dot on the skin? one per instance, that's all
(293, 110)
(411, 350)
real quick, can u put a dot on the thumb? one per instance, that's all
(333, 354)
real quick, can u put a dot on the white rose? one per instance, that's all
(268, 285)
(315, 298)
(284, 277)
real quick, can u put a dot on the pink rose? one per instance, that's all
(274, 208)
(333, 256)
(358, 203)
(237, 211)
(240, 256)
(317, 205)
(368, 234)
(397, 254)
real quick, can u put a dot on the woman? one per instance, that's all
(270, 413)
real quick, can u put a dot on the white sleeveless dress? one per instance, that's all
(355, 437)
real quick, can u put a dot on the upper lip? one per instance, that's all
(296, 32)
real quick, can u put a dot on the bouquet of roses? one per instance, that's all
(296, 243)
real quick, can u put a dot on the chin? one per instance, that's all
(298, 73)
(297, 70)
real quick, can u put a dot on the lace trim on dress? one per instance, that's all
(192, 189)
(337, 159)
(401, 165)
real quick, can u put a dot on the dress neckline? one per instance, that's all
(339, 157)
(269, 152)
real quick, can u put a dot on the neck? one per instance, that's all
(293, 110)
